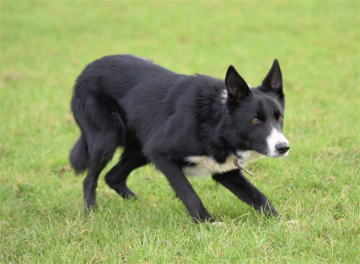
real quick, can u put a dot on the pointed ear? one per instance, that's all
(236, 86)
(273, 81)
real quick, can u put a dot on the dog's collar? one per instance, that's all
(237, 164)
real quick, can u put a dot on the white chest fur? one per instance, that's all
(205, 166)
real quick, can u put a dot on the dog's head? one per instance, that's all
(257, 114)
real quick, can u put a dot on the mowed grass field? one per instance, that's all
(45, 45)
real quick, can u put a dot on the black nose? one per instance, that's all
(282, 147)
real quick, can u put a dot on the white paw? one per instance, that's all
(294, 222)
(217, 224)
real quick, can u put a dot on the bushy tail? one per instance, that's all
(79, 155)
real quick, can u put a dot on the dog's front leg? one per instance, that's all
(182, 188)
(238, 184)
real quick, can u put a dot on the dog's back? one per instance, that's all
(114, 75)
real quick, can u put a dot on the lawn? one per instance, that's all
(45, 45)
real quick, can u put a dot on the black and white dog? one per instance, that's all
(184, 125)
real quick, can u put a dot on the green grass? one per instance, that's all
(45, 45)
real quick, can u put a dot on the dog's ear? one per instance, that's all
(273, 81)
(236, 86)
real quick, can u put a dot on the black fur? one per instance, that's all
(162, 117)
(79, 156)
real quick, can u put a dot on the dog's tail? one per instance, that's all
(79, 155)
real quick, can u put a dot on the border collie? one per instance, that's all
(184, 125)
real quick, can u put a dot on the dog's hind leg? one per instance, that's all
(101, 150)
(103, 128)
(116, 177)
(237, 183)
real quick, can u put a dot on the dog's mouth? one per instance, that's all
(278, 150)
(278, 155)
(275, 153)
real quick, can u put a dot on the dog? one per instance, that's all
(184, 125)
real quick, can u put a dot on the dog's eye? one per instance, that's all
(280, 119)
(255, 121)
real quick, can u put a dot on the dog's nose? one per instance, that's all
(282, 147)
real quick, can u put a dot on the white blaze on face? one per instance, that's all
(272, 140)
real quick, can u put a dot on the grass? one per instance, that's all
(45, 45)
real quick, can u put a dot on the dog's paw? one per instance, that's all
(294, 222)
(217, 224)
